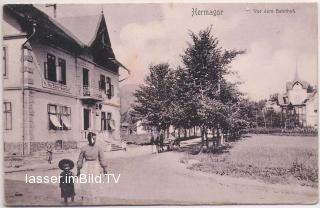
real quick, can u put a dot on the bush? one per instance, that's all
(282, 132)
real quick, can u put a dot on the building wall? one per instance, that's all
(13, 39)
(297, 95)
(40, 119)
(30, 94)
(312, 112)
(13, 138)
(13, 78)
(39, 53)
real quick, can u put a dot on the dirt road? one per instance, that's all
(158, 179)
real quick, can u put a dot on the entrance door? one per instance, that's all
(86, 119)
(85, 82)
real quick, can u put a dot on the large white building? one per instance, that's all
(299, 104)
(61, 80)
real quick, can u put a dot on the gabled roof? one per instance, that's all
(28, 14)
(75, 32)
(84, 28)
(290, 85)
(296, 80)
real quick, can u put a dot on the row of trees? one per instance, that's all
(196, 94)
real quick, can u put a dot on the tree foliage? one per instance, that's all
(153, 101)
(195, 94)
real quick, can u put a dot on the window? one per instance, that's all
(4, 61)
(53, 72)
(107, 123)
(111, 123)
(66, 117)
(7, 115)
(61, 71)
(59, 117)
(103, 121)
(50, 68)
(110, 89)
(102, 83)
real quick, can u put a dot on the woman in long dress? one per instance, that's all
(90, 160)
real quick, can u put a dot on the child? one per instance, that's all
(66, 180)
(49, 153)
(124, 145)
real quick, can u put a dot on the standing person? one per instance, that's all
(49, 153)
(66, 182)
(152, 142)
(161, 140)
(124, 145)
(90, 160)
(157, 143)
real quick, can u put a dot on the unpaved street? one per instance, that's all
(158, 179)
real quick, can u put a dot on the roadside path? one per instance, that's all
(158, 179)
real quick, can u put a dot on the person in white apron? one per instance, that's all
(90, 160)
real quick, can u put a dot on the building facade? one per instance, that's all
(59, 83)
(298, 105)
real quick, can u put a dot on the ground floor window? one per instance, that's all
(111, 122)
(7, 115)
(107, 123)
(103, 121)
(59, 117)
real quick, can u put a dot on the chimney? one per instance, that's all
(54, 6)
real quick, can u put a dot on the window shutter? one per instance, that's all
(59, 77)
(45, 67)
(112, 90)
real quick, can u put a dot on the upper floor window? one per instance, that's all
(110, 88)
(54, 72)
(61, 71)
(4, 61)
(7, 115)
(102, 83)
(59, 117)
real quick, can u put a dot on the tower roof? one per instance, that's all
(296, 79)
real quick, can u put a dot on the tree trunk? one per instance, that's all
(194, 131)
(218, 137)
(185, 133)
(202, 137)
(207, 139)
(179, 133)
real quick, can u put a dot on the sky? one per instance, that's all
(276, 44)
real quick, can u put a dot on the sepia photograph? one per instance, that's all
(165, 103)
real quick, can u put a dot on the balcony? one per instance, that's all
(91, 94)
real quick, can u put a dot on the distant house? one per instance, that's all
(298, 105)
(61, 80)
(129, 126)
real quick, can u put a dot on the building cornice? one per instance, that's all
(54, 93)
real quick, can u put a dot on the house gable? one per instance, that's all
(101, 47)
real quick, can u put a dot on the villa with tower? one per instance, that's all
(298, 105)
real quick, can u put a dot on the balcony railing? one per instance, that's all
(92, 93)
